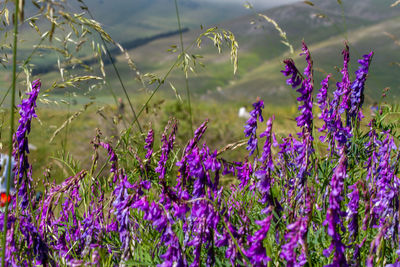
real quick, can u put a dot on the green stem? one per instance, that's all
(160, 82)
(117, 73)
(10, 148)
(184, 67)
(28, 59)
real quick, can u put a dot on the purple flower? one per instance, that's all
(156, 215)
(212, 166)
(295, 237)
(266, 156)
(12, 249)
(113, 159)
(340, 103)
(374, 245)
(334, 213)
(34, 241)
(323, 104)
(291, 70)
(256, 252)
(167, 145)
(344, 89)
(263, 174)
(244, 173)
(183, 163)
(197, 136)
(250, 128)
(149, 143)
(386, 182)
(204, 220)
(174, 255)
(357, 89)
(27, 112)
(122, 206)
(305, 119)
(352, 214)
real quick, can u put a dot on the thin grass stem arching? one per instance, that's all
(10, 148)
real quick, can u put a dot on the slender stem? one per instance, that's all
(64, 143)
(117, 73)
(184, 67)
(161, 82)
(28, 59)
(10, 148)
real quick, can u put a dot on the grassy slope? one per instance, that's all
(261, 52)
(222, 130)
(327, 59)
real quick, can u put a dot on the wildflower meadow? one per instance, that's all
(324, 195)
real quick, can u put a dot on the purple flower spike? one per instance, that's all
(113, 159)
(322, 98)
(149, 143)
(256, 252)
(197, 136)
(344, 89)
(27, 112)
(291, 70)
(294, 237)
(331, 114)
(357, 89)
(352, 214)
(305, 119)
(266, 156)
(244, 174)
(250, 129)
(334, 214)
(166, 148)
(386, 182)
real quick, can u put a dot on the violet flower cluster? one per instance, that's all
(357, 89)
(167, 145)
(149, 144)
(347, 98)
(250, 129)
(24, 171)
(334, 214)
(293, 205)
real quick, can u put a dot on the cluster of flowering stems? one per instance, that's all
(280, 210)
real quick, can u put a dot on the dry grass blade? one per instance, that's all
(393, 37)
(72, 81)
(57, 49)
(395, 3)
(232, 146)
(285, 41)
(219, 37)
(309, 3)
(69, 120)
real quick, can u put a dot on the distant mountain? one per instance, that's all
(126, 20)
(365, 24)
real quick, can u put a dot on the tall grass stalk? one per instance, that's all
(10, 146)
(116, 72)
(161, 82)
(183, 54)
(28, 60)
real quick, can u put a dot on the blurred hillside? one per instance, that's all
(325, 25)
(366, 25)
